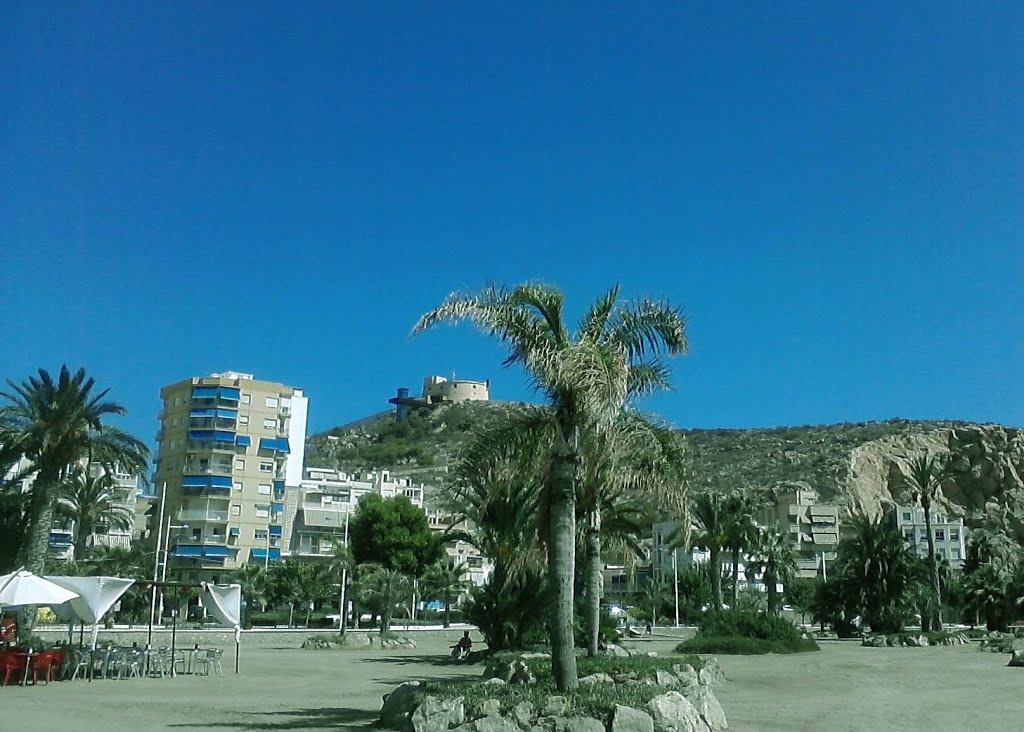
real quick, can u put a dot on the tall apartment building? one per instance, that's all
(948, 534)
(812, 527)
(231, 450)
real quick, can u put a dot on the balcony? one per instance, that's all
(202, 514)
(223, 469)
(206, 491)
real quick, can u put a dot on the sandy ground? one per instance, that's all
(845, 687)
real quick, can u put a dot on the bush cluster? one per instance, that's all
(741, 632)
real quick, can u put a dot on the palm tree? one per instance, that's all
(254, 579)
(56, 423)
(774, 554)
(341, 565)
(924, 477)
(740, 532)
(986, 591)
(88, 500)
(708, 532)
(877, 572)
(443, 581)
(384, 590)
(653, 594)
(587, 377)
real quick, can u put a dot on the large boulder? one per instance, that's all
(686, 674)
(666, 679)
(1016, 659)
(438, 715)
(357, 640)
(618, 651)
(628, 719)
(598, 678)
(522, 714)
(705, 701)
(488, 707)
(711, 673)
(673, 712)
(492, 723)
(399, 705)
(556, 706)
(576, 724)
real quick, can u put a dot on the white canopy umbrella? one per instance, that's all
(224, 602)
(95, 596)
(22, 588)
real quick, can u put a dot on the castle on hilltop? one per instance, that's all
(438, 390)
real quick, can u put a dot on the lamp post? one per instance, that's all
(675, 574)
(344, 580)
(167, 549)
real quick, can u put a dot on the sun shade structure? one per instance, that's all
(224, 603)
(96, 595)
(22, 588)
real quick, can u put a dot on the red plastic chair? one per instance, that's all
(11, 663)
(45, 664)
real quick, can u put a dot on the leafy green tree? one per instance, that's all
(799, 592)
(740, 533)
(384, 590)
(924, 477)
(444, 581)
(587, 377)
(774, 554)
(296, 581)
(55, 423)
(986, 592)
(89, 501)
(877, 573)
(393, 533)
(255, 581)
(652, 596)
(694, 591)
(341, 567)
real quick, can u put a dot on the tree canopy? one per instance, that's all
(394, 534)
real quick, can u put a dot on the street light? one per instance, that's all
(167, 549)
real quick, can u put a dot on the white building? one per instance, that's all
(948, 533)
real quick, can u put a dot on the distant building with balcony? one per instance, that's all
(948, 533)
(478, 567)
(328, 497)
(812, 527)
(230, 455)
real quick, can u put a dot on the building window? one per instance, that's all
(270, 423)
(238, 485)
(940, 534)
(271, 402)
(909, 536)
(218, 532)
(240, 464)
(942, 553)
(246, 398)
(954, 553)
(954, 535)
(266, 467)
(906, 516)
(260, 534)
(236, 509)
(243, 419)
(263, 511)
(264, 489)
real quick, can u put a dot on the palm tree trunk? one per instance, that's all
(773, 595)
(309, 610)
(593, 582)
(716, 576)
(83, 529)
(735, 576)
(562, 567)
(291, 612)
(32, 555)
(933, 565)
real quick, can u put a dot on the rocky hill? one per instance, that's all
(855, 465)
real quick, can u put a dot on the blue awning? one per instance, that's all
(210, 412)
(278, 485)
(243, 440)
(261, 554)
(279, 443)
(205, 481)
(216, 552)
(213, 392)
(277, 508)
(211, 436)
(234, 531)
(60, 540)
(275, 530)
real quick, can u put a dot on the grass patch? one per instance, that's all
(593, 701)
(745, 633)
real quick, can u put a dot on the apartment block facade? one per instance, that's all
(230, 453)
(812, 527)
(948, 534)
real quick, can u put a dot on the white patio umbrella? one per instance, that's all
(96, 595)
(22, 588)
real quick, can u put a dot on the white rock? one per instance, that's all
(627, 719)
(673, 712)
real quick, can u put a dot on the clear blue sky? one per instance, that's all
(834, 195)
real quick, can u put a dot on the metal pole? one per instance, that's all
(156, 562)
(163, 571)
(342, 601)
(675, 572)
(174, 629)
(824, 576)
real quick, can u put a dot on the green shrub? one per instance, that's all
(741, 632)
(509, 609)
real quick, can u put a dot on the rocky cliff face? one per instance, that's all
(861, 466)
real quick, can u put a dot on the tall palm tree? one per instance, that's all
(773, 552)
(587, 376)
(341, 565)
(88, 500)
(384, 590)
(254, 579)
(740, 532)
(924, 477)
(444, 581)
(56, 423)
(709, 532)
